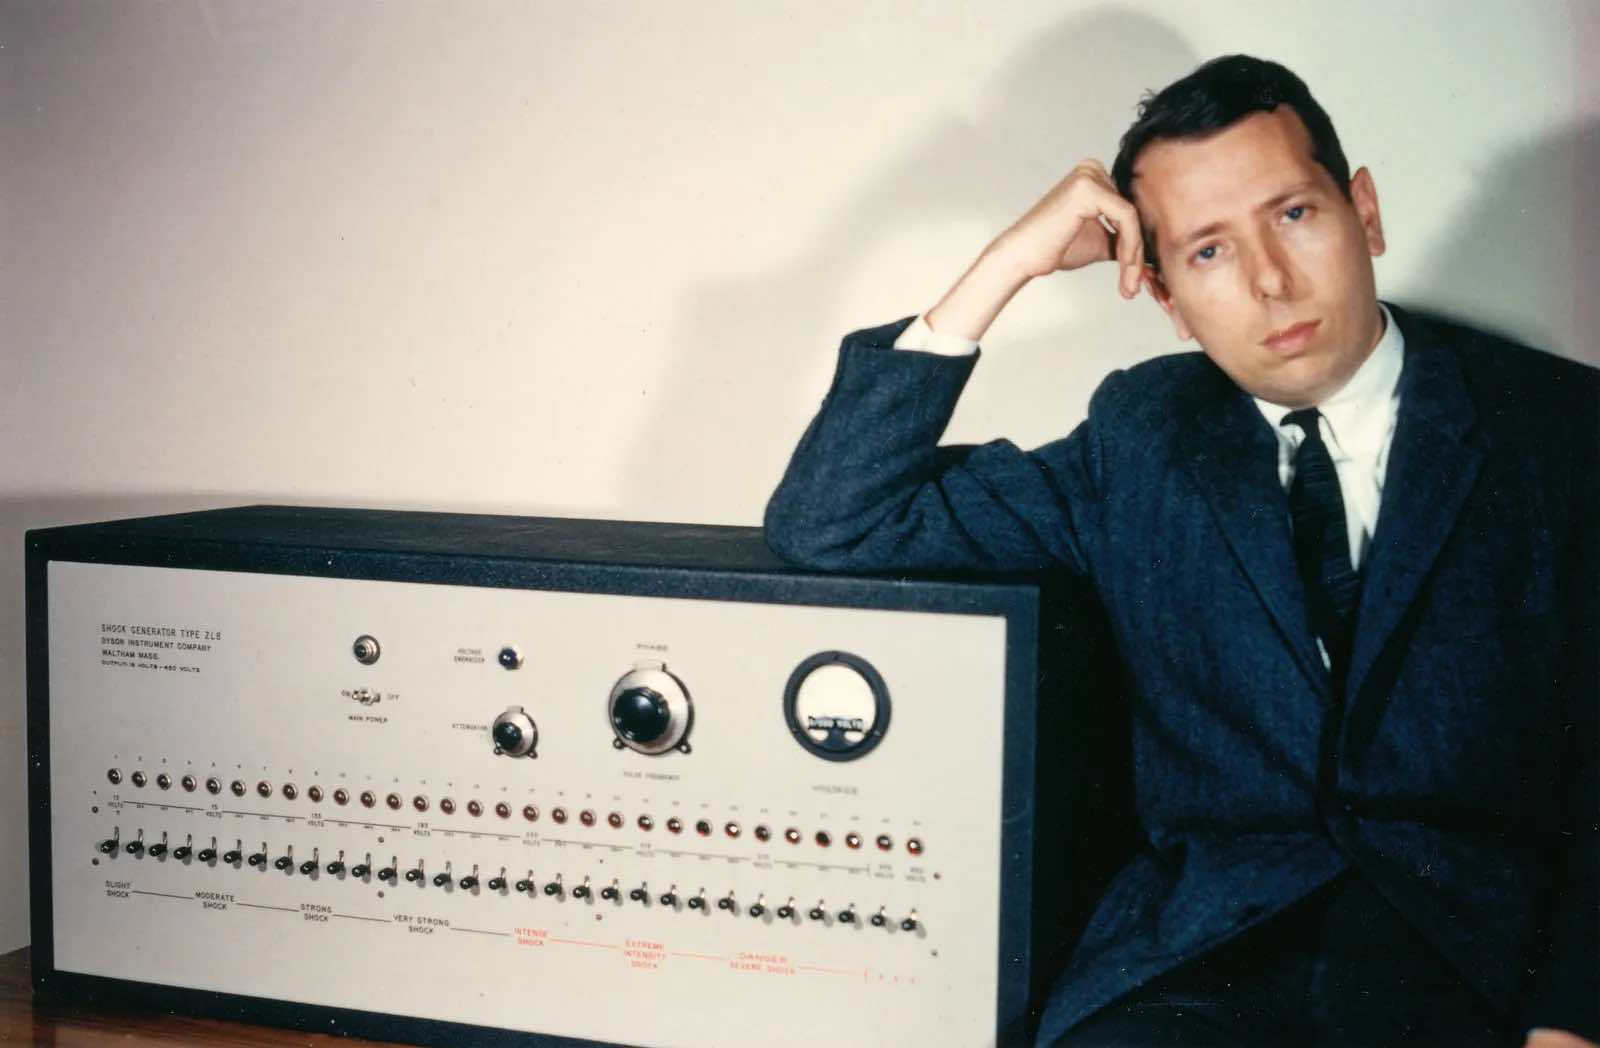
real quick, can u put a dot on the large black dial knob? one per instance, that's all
(650, 711)
(640, 715)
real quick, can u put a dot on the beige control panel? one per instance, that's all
(648, 821)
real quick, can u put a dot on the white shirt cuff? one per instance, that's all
(920, 336)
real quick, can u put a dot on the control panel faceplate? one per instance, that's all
(575, 814)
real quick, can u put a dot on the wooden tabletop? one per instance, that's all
(66, 1026)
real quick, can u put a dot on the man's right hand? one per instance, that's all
(1062, 231)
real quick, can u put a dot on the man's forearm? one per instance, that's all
(972, 304)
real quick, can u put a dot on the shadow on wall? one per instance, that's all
(1069, 95)
(1530, 236)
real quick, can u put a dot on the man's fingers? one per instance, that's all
(1129, 242)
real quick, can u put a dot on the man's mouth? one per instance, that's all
(1292, 337)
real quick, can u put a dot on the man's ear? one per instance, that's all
(1364, 198)
(1158, 291)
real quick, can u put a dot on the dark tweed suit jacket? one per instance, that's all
(1456, 771)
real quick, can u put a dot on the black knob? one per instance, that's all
(414, 875)
(388, 873)
(507, 736)
(553, 888)
(639, 895)
(258, 859)
(524, 886)
(878, 920)
(360, 870)
(786, 912)
(157, 850)
(725, 903)
(441, 879)
(208, 854)
(133, 847)
(497, 884)
(609, 892)
(335, 867)
(757, 910)
(669, 899)
(697, 902)
(283, 862)
(909, 924)
(468, 883)
(847, 916)
(182, 852)
(581, 892)
(815, 913)
(308, 867)
(640, 714)
(108, 847)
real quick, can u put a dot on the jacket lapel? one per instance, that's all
(1233, 455)
(1433, 462)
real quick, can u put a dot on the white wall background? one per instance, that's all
(592, 259)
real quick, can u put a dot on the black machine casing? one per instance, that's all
(1062, 820)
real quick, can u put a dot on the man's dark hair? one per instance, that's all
(1217, 95)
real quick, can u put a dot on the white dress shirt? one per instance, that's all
(1358, 427)
(1357, 422)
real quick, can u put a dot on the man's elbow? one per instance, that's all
(799, 537)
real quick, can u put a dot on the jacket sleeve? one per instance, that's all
(869, 488)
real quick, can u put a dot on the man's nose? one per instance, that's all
(1272, 274)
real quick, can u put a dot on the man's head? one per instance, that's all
(1262, 241)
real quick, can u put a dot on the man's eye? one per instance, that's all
(1206, 254)
(1296, 213)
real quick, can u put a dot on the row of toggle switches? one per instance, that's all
(392, 874)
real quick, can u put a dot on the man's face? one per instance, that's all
(1264, 261)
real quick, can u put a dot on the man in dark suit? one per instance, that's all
(1349, 556)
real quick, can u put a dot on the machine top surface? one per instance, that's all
(568, 540)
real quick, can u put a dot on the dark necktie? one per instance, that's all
(1322, 542)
